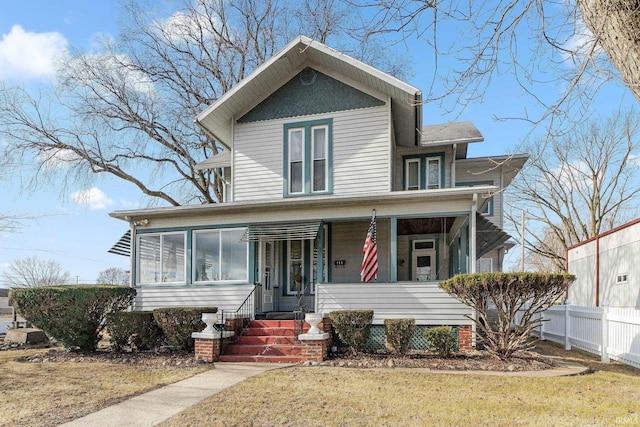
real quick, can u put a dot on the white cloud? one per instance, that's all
(113, 67)
(129, 204)
(29, 56)
(54, 159)
(94, 198)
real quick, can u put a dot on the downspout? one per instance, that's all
(453, 166)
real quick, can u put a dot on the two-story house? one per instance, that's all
(314, 142)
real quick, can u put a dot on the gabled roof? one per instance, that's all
(460, 133)
(217, 120)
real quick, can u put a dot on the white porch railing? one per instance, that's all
(608, 332)
(423, 301)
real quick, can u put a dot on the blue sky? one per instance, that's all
(74, 229)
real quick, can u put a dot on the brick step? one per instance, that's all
(264, 350)
(271, 323)
(266, 339)
(270, 331)
(260, 359)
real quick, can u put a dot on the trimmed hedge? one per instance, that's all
(353, 327)
(399, 333)
(441, 339)
(178, 323)
(73, 315)
(135, 329)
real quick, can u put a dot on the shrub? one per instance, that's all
(137, 329)
(353, 327)
(399, 333)
(519, 298)
(178, 323)
(73, 315)
(441, 339)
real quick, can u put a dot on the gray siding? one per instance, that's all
(225, 297)
(361, 141)
(401, 152)
(483, 173)
(347, 239)
(425, 302)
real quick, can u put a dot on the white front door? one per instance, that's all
(269, 275)
(423, 261)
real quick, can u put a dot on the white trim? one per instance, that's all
(289, 280)
(407, 163)
(428, 184)
(326, 158)
(161, 235)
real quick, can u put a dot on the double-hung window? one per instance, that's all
(423, 172)
(161, 258)
(307, 148)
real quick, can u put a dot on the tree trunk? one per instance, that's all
(616, 27)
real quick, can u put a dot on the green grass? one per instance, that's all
(322, 396)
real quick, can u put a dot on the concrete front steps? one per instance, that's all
(266, 341)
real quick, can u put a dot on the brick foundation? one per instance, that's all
(207, 349)
(315, 351)
(465, 337)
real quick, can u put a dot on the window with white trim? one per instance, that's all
(412, 173)
(423, 172)
(220, 256)
(621, 278)
(295, 261)
(161, 258)
(308, 158)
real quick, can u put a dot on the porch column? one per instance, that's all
(393, 248)
(472, 234)
(462, 261)
(320, 261)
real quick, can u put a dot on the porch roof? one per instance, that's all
(489, 236)
(316, 207)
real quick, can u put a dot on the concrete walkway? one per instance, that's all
(152, 408)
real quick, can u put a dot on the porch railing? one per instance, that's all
(239, 319)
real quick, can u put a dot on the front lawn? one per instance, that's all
(50, 393)
(322, 396)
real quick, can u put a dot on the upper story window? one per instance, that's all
(424, 172)
(307, 158)
(161, 258)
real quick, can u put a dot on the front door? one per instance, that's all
(268, 268)
(423, 261)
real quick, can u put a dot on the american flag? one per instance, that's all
(369, 269)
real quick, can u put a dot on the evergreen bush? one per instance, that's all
(137, 330)
(73, 315)
(353, 327)
(399, 333)
(442, 340)
(178, 323)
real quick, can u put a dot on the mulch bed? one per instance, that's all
(462, 361)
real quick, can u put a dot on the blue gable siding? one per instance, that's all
(310, 92)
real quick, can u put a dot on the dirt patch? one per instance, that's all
(57, 355)
(463, 361)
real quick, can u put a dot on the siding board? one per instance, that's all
(225, 297)
(424, 302)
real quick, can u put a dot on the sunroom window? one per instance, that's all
(220, 256)
(161, 258)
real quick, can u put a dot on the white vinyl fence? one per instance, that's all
(611, 333)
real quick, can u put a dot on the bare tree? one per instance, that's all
(526, 44)
(113, 276)
(127, 109)
(578, 185)
(33, 272)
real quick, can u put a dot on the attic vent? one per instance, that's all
(308, 76)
